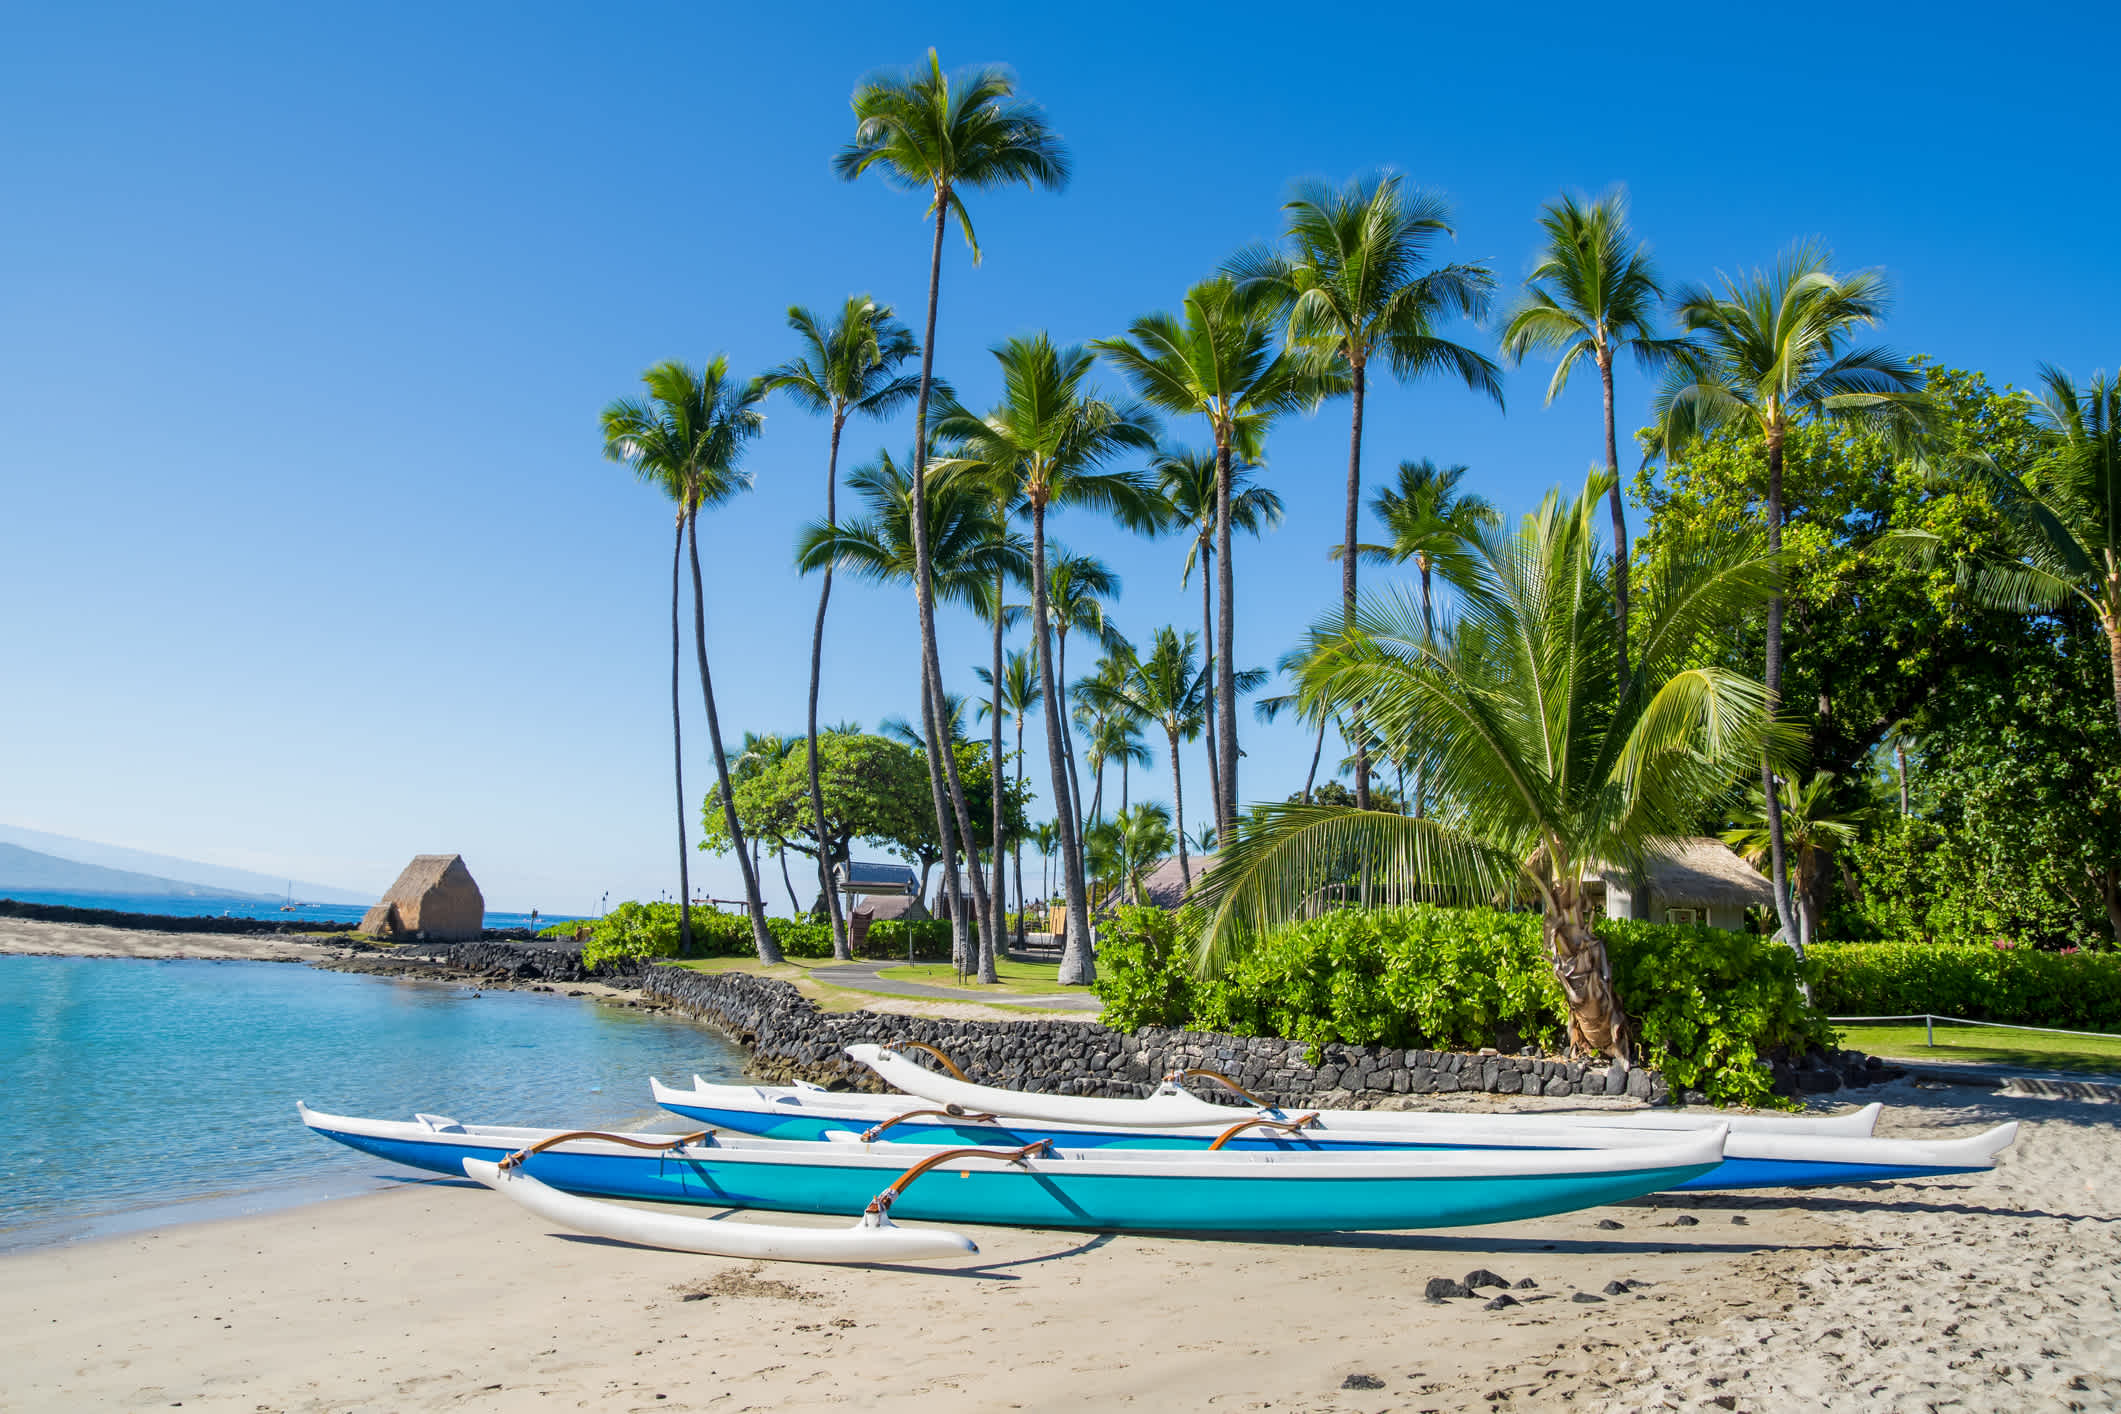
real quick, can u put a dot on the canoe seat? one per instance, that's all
(440, 1124)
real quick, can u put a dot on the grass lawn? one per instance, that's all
(1989, 1045)
(795, 970)
(1024, 979)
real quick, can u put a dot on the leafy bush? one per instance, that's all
(931, 937)
(1708, 1005)
(2072, 990)
(650, 930)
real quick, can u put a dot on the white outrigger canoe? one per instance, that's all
(1039, 1185)
(1761, 1151)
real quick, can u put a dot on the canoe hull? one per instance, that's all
(1067, 1193)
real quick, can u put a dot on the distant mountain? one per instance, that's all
(27, 870)
(213, 879)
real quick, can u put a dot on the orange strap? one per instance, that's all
(1287, 1126)
(882, 1202)
(1220, 1079)
(946, 1112)
(948, 1064)
(514, 1160)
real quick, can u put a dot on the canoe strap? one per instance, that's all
(948, 1064)
(515, 1160)
(946, 1112)
(1219, 1078)
(882, 1202)
(1287, 1126)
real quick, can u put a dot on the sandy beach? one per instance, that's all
(1999, 1291)
(36, 938)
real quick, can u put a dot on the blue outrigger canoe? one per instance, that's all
(1037, 1186)
(1760, 1152)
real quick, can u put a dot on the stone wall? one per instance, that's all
(790, 1039)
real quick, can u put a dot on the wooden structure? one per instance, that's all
(435, 899)
(1695, 880)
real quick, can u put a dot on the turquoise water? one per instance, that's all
(128, 1084)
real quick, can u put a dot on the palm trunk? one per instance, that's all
(1078, 959)
(841, 949)
(1178, 808)
(1317, 750)
(761, 937)
(1018, 843)
(677, 745)
(952, 895)
(1428, 628)
(1779, 871)
(990, 931)
(923, 587)
(1596, 1021)
(795, 908)
(982, 903)
(1207, 638)
(2110, 621)
(1075, 780)
(1347, 572)
(1225, 645)
(1620, 524)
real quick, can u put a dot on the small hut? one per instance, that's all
(1165, 886)
(1696, 880)
(435, 898)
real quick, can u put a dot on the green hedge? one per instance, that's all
(1708, 1005)
(636, 929)
(2072, 990)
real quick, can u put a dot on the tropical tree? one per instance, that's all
(1218, 359)
(1077, 587)
(687, 437)
(851, 366)
(1593, 292)
(1191, 485)
(758, 753)
(1017, 698)
(945, 135)
(1352, 282)
(1124, 849)
(1773, 349)
(1169, 687)
(1054, 435)
(1114, 738)
(1818, 818)
(1548, 763)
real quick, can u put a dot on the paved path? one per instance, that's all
(863, 977)
(2022, 1080)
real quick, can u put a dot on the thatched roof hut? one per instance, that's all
(1165, 886)
(435, 898)
(1695, 880)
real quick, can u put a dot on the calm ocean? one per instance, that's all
(183, 906)
(130, 1084)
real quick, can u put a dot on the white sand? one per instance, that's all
(1995, 1291)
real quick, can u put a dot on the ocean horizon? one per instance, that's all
(267, 909)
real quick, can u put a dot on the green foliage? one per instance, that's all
(634, 929)
(1709, 1005)
(650, 930)
(2070, 990)
(931, 937)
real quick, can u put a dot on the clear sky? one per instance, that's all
(306, 314)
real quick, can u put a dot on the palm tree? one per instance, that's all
(1053, 435)
(1218, 360)
(1115, 739)
(1170, 688)
(757, 753)
(946, 135)
(1124, 849)
(849, 367)
(1191, 485)
(688, 437)
(1076, 588)
(1818, 818)
(1772, 349)
(1045, 839)
(1354, 288)
(1593, 292)
(1018, 698)
(1549, 764)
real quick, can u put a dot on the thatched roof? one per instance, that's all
(1701, 872)
(1165, 885)
(880, 907)
(435, 897)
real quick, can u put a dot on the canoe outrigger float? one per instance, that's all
(1762, 1150)
(1039, 1185)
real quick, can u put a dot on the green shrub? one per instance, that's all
(1708, 1005)
(650, 930)
(931, 937)
(2071, 990)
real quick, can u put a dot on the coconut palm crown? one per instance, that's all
(1547, 764)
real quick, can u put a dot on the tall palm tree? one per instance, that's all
(1170, 688)
(945, 135)
(1077, 587)
(1115, 739)
(1017, 698)
(687, 437)
(849, 367)
(1818, 818)
(760, 751)
(1592, 292)
(1352, 282)
(1548, 763)
(1772, 349)
(1218, 359)
(1191, 486)
(1054, 435)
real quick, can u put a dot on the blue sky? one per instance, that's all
(306, 314)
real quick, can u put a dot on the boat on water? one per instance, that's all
(1040, 1185)
(1762, 1151)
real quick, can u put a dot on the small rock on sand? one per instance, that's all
(1501, 1303)
(1585, 1298)
(1443, 1288)
(1608, 1225)
(1362, 1382)
(1480, 1277)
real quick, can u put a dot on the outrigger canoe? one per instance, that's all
(1038, 1185)
(1761, 1152)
